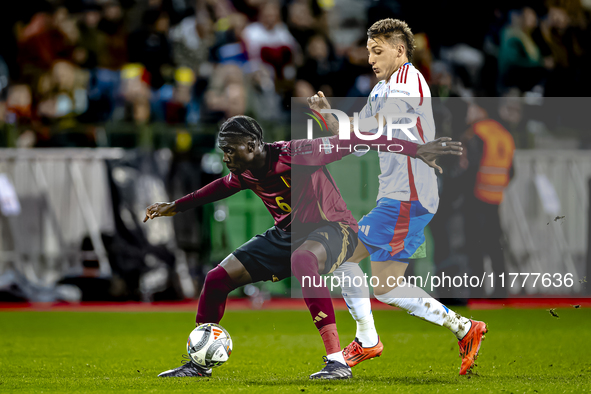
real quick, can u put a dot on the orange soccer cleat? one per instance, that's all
(355, 353)
(470, 345)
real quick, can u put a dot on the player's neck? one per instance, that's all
(259, 164)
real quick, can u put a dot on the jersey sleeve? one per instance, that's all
(314, 152)
(325, 150)
(214, 191)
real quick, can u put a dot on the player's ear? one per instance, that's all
(251, 145)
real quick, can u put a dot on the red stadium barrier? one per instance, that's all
(274, 304)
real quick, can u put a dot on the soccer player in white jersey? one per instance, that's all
(392, 233)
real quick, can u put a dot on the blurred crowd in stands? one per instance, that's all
(79, 63)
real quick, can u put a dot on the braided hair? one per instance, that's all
(242, 125)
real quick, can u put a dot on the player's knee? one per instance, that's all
(380, 291)
(216, 273)
(388, 285)
(387, 298)
(218, 278)
(398, 296)
(380, 297)
(304, 261)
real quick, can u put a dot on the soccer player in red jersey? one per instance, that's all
(311, 219)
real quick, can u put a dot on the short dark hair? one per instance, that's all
(395, 30)
(242, 125)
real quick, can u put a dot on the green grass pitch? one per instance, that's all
(526, 350)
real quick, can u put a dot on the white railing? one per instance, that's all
(542, 237)
(64, 196)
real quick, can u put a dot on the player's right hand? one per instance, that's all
(318, 102)
(160, 209)
(430, 151)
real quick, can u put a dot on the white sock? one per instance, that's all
(338, 356)
(366, 331)
(355, 291)
(417, 302)
(457, 324)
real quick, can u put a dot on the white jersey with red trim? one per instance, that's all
(403, 178)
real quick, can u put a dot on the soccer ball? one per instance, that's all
(209, 345)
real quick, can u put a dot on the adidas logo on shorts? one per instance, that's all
(364, 229)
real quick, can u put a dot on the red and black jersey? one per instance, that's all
(297, 188)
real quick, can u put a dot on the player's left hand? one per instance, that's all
(318, 102)
(430, 151)
(160, 209)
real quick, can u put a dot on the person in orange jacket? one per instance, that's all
(488, 163)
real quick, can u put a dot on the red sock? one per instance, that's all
(212, 301)
(330, 337)
(305, 264)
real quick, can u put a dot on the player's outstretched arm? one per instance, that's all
(322, 151)
(430, 151)
(160, 209)
(325, 150)
(214, 191)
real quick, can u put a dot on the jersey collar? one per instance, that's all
(405, 64)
